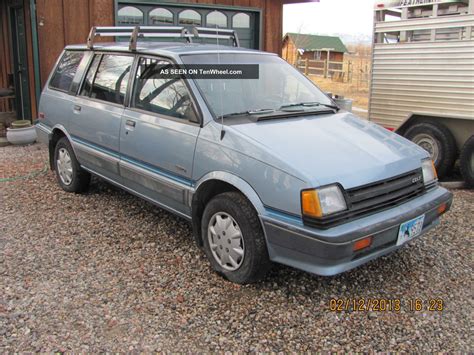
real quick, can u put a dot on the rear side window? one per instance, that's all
(65, 71)
(108, 77)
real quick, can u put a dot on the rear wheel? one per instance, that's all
(71, 177)
(437, 140)
(233, 239)
(467, 161)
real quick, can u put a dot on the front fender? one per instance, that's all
(239, 183)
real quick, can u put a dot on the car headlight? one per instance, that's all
(323, 201)
(429, 171)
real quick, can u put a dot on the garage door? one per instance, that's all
(244, 22)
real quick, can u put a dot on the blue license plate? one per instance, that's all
(410, 229)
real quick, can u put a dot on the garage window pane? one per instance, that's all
(161, 16)
(130, 15)
(189, 17)
(241, 20)
(216, 19)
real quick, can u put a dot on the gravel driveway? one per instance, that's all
(107, 271)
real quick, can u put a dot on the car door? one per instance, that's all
(158, 136)
(97, 112)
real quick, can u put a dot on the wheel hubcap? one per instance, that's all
(64, 165)
(429, 144)
(226, 241)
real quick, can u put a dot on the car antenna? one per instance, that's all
(220, 92)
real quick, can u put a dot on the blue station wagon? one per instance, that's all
(266, 170)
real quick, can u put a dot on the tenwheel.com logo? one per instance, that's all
(210, 71)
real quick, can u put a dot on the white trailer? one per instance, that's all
(423, 76)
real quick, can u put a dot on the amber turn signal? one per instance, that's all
(442, 208)
(362, 243)
(434, 170)
(310, 203)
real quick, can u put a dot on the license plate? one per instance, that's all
(410, 229)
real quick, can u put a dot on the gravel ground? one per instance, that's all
(105, 271)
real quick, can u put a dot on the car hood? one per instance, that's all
(325, 149)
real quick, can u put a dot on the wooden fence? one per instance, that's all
(354, 70)
(320, 67)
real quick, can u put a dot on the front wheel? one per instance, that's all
(233, 239)
(71, 177)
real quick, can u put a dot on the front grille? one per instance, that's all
(374, 197)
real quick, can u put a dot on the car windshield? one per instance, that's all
(279, 85)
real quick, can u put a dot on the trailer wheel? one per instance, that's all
(467, 161)
(437, 140)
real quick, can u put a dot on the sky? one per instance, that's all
(330, 16)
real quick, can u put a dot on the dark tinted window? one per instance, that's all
(159, 95)
(110, 82)
(66, 70)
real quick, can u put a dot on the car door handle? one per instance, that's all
(130, 123)
(77, 108)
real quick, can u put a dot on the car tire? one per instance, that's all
(71, 177)
(466, 162)
(438, 141)
(240, 258)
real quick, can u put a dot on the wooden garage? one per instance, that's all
(33, 33)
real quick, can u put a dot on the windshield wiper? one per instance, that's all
(268, 111)
(259, 111)
(309, 104)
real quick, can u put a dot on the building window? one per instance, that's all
(160, 16)
(241, 20)
(130, 15)
(216, 19)
(189, 18)
(193, 13)
(317, 55)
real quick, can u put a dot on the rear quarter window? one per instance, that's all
(65, 71)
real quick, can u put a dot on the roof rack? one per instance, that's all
(136, 32)
(218, 33)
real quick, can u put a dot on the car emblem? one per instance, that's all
(416, 179)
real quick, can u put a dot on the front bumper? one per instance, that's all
(330, 252)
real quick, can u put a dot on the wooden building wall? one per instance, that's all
(289, 51)
(6, 64)
(63, 22)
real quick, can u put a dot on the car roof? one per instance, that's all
(168, 48)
